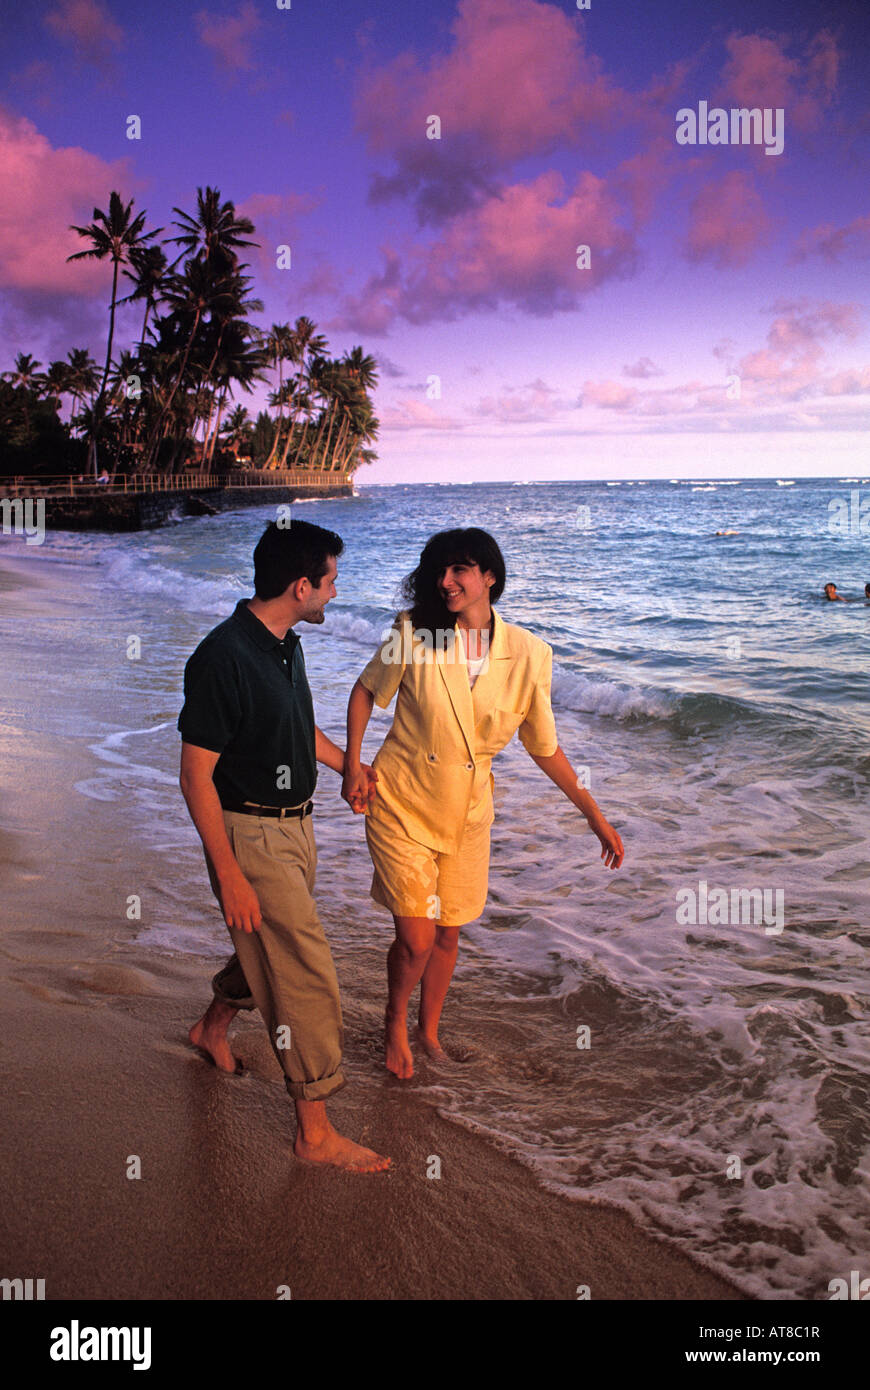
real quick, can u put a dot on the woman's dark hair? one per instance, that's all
(286, 553)
(462, 546)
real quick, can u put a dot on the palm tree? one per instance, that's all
(230, 311)
(362, 368)
(193, 295)
(360, 376)
(112, 234)
(26, 377)
(307, 344)
(127, 366)
(236, 429)
(25, 373)
(214, 233)
(57, 381)
(278, 342)
(83, 379)
(242, 361)
(149, 265)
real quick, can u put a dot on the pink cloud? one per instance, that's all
(519, 247)
(229, 36)
(413, 414)
(727, 221)
(796, 344)
(42, 191)
(379, 302)
(850, 383)
(39, 83)
(643, 178)
(852, 240)
(609, 395)
(760, 73)
(642, 369)
(516, 81)
(322, 281)
(88, 27)
(521, 404)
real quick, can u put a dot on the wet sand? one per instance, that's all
(97, 1071)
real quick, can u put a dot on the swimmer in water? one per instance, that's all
(727, 533)
(832, 596)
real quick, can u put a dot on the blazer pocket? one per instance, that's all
(498, 726)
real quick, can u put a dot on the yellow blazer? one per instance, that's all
(434, 765)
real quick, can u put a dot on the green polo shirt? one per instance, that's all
(246, 697)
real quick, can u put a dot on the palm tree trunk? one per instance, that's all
(216, 428)
(331, 418)
(342, 434)
(274, 449)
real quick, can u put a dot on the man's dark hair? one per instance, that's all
(286, 553)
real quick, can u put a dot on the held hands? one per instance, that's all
(358, 787)
(612, 851)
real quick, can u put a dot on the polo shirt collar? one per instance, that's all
(257, 631)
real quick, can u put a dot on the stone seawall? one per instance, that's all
(139, 511)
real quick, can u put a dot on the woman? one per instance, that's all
(466, 682)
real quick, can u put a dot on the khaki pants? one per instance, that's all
(285, 969)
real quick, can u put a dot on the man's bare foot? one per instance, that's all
(213, 1042)
(431, 1046)
(398, 1053)
(339, 1152)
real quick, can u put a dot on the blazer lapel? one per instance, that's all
(487, 687)
(454, 673)
(469, 705)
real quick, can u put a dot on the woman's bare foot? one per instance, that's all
(398, 1053)
(210, 1036)
(431, 1046)
(334, 1149)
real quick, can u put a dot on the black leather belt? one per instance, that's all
(282, 812)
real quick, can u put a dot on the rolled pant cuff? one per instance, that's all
(315, 1090)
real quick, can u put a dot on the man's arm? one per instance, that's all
(239, 902)
(358, 793)
(327, 752)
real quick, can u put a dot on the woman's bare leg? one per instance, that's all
(406, 961)
(434, 987)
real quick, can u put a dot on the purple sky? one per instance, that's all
(719, 330)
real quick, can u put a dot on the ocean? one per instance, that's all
(699, 1057)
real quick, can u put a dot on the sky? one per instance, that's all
(434, 166)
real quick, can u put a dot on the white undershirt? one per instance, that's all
(474, 666)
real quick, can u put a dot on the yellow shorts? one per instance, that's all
(412, 880)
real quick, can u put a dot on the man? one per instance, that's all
(832, 596)
(249, 748)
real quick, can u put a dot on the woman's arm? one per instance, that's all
(358, 787)
(560, 771)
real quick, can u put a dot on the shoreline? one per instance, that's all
(99, 1071)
